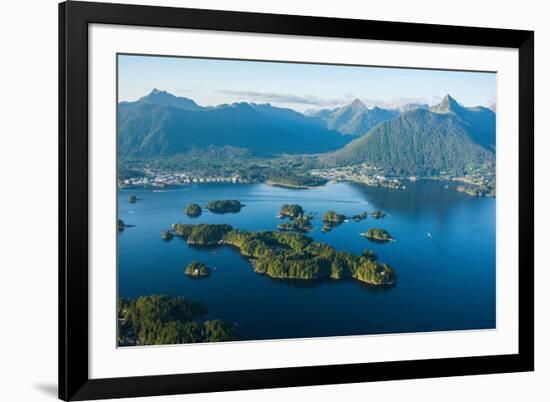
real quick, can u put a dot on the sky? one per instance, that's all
(302, 87)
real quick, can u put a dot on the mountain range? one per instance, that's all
(416, 140)
(446, 137)
(161, 124)
(356, 118)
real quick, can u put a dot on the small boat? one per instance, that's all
(429, 235)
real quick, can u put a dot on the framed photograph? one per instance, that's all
(257, 200)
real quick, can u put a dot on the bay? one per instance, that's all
(444, 256)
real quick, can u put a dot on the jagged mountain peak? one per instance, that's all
(447, 105)
(358, 105)
(448, 137)
(164, 98)
(354, 118)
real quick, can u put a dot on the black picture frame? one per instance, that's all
(74, 18)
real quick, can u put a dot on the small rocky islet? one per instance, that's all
(197, 269)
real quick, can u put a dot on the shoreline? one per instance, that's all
(455, 181)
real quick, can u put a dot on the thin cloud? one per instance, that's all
(286, 98)
(396, 103)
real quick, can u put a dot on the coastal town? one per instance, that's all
(477, 183)
(364, 173)
(157, 178)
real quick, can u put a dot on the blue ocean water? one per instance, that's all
(446, 280)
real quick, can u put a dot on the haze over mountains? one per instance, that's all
(161, 124)
(416, 140)
(355, 118)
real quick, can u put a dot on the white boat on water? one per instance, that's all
(429, 235)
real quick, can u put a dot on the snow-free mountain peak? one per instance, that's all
(357, 105)
(164, 98)
(355, 118)
(447, 105)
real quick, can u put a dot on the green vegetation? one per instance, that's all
(299, 221)
(369, 254)
(291, 255)
(291, 211)
(218, 330)
(378, 235)
(203, 234)
(331, 219)
(296, 181)
(193, 210)
(361, 216)
(300, 224)
(132, 199)
(163, 320)
(125, 172)
(378, 214)
(230, 162)
(477, 190)
(197, 269)
(166, 235)
(296, 256)
(224, 206)
(452, 139)
(331, 216)
(356, 118)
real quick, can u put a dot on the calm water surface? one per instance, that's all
(446, 282)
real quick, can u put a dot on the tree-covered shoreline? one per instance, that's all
(165, 320)
(193, 210)
(378, 234)
(289, 255)
(197, 269)
(224, 206)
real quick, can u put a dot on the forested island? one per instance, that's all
(296, 181)
(300, 224)
(378, 235)
(299, 221)
(290, 211)
(202, 234)
(224, 206)
(197, 269)
(361, 216)
(163, 320)
(331, 219)
(378, 215)
(193, 210)
(290, 255)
